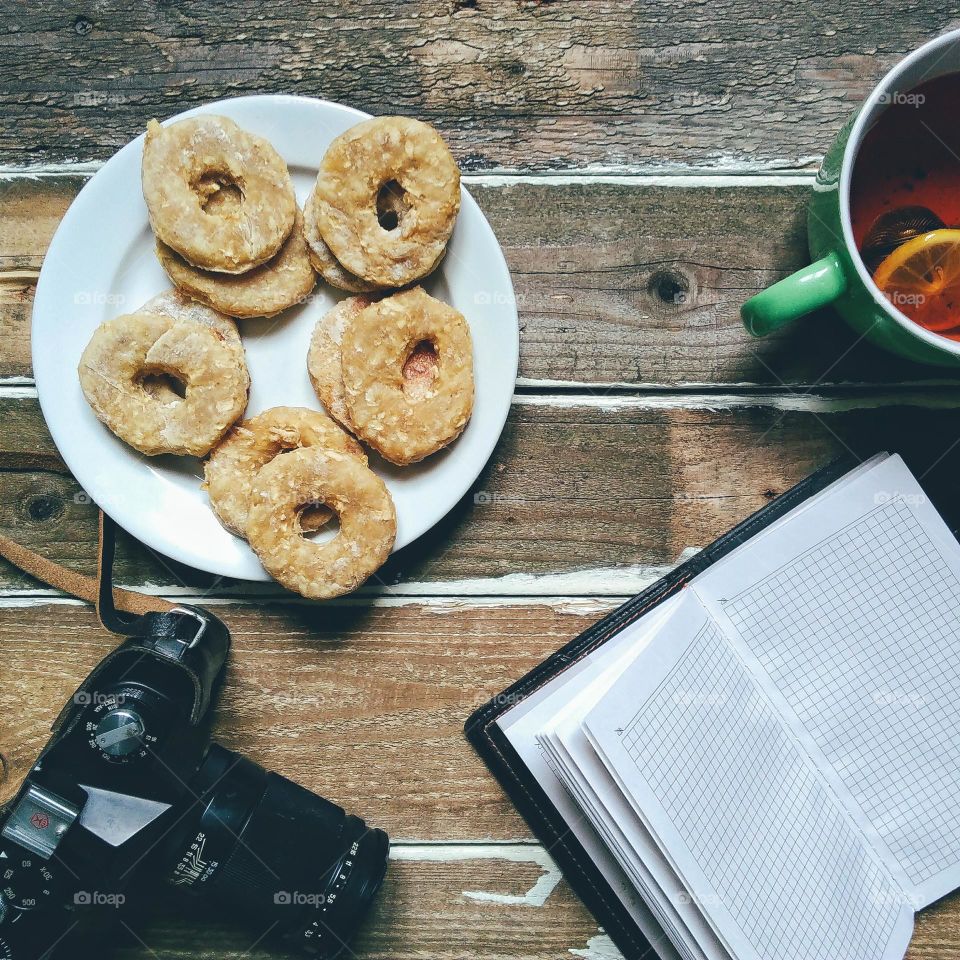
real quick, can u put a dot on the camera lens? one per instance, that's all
(276, 855)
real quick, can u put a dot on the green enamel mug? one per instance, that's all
(837, 277)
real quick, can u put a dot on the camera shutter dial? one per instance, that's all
(27, 881)
(118, 726)
(120, 733)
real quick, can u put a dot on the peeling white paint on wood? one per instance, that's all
(435, 605)
(793, 401)
(640, 386)
(69, 168)
(598, 582)
(733, 170)
(600, 947)
(23, 390)
(690, 180)
(536, 896)
(701, 398)
(596, 590)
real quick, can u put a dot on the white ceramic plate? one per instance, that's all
(101, 263)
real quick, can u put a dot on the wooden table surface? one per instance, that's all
(645, 167)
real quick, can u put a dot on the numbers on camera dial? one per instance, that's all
(26, 882)
(119, 733)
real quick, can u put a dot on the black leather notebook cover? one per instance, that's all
(506, 765)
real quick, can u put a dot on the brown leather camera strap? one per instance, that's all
(78, 584)
(62, 578)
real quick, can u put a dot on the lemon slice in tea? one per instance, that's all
(922, 279)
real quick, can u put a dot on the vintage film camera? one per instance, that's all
(129, 791)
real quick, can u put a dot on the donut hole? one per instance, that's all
(286, 445)
(220, 194)
(316, 517)
(318, 534)
(392, 204)
(420, 370)
(162, 386)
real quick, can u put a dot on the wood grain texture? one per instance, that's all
(363, 704)
(616, 283)
(427, 909)
(430, 908)
(625, 284)
(575, 484)
(510, 83)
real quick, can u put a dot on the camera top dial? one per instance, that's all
(119, 726)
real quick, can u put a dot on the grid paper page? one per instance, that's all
(521, 725)
(860, 634)
(714, 767)
(571, 755)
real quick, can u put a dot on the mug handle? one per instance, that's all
(794, 296)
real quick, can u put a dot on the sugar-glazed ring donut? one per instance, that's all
(323, 358)
(220, 197)
(230, 473)
(368, 521)
(387, 197)
(322, 259)
(266, 290)
(125, 350)
(407, 417)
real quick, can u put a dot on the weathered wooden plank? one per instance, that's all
(431, 908)
(528, 84)
(365, 704)
(477, 906)
(582, 495)
(362, 703)
(617, 282)
(936, 935)
(30, 211)
(422, 912)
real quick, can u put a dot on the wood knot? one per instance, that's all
(44, 507)
(82, 26)
(669, 286)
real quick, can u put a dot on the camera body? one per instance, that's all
(129, 790)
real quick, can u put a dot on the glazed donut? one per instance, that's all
(407, 417)
(231, 472)
(387, 197)
(220, 197)
(124, 350)
(322, 259)
(368, 521)
(261, 292)
(323, 358)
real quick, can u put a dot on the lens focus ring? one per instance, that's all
(279, 855)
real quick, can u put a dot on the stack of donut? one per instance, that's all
(393, 367)
(225, 217)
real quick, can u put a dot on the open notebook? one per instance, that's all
(766, 764)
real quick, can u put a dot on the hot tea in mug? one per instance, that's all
(905, 204)
(883, 225)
